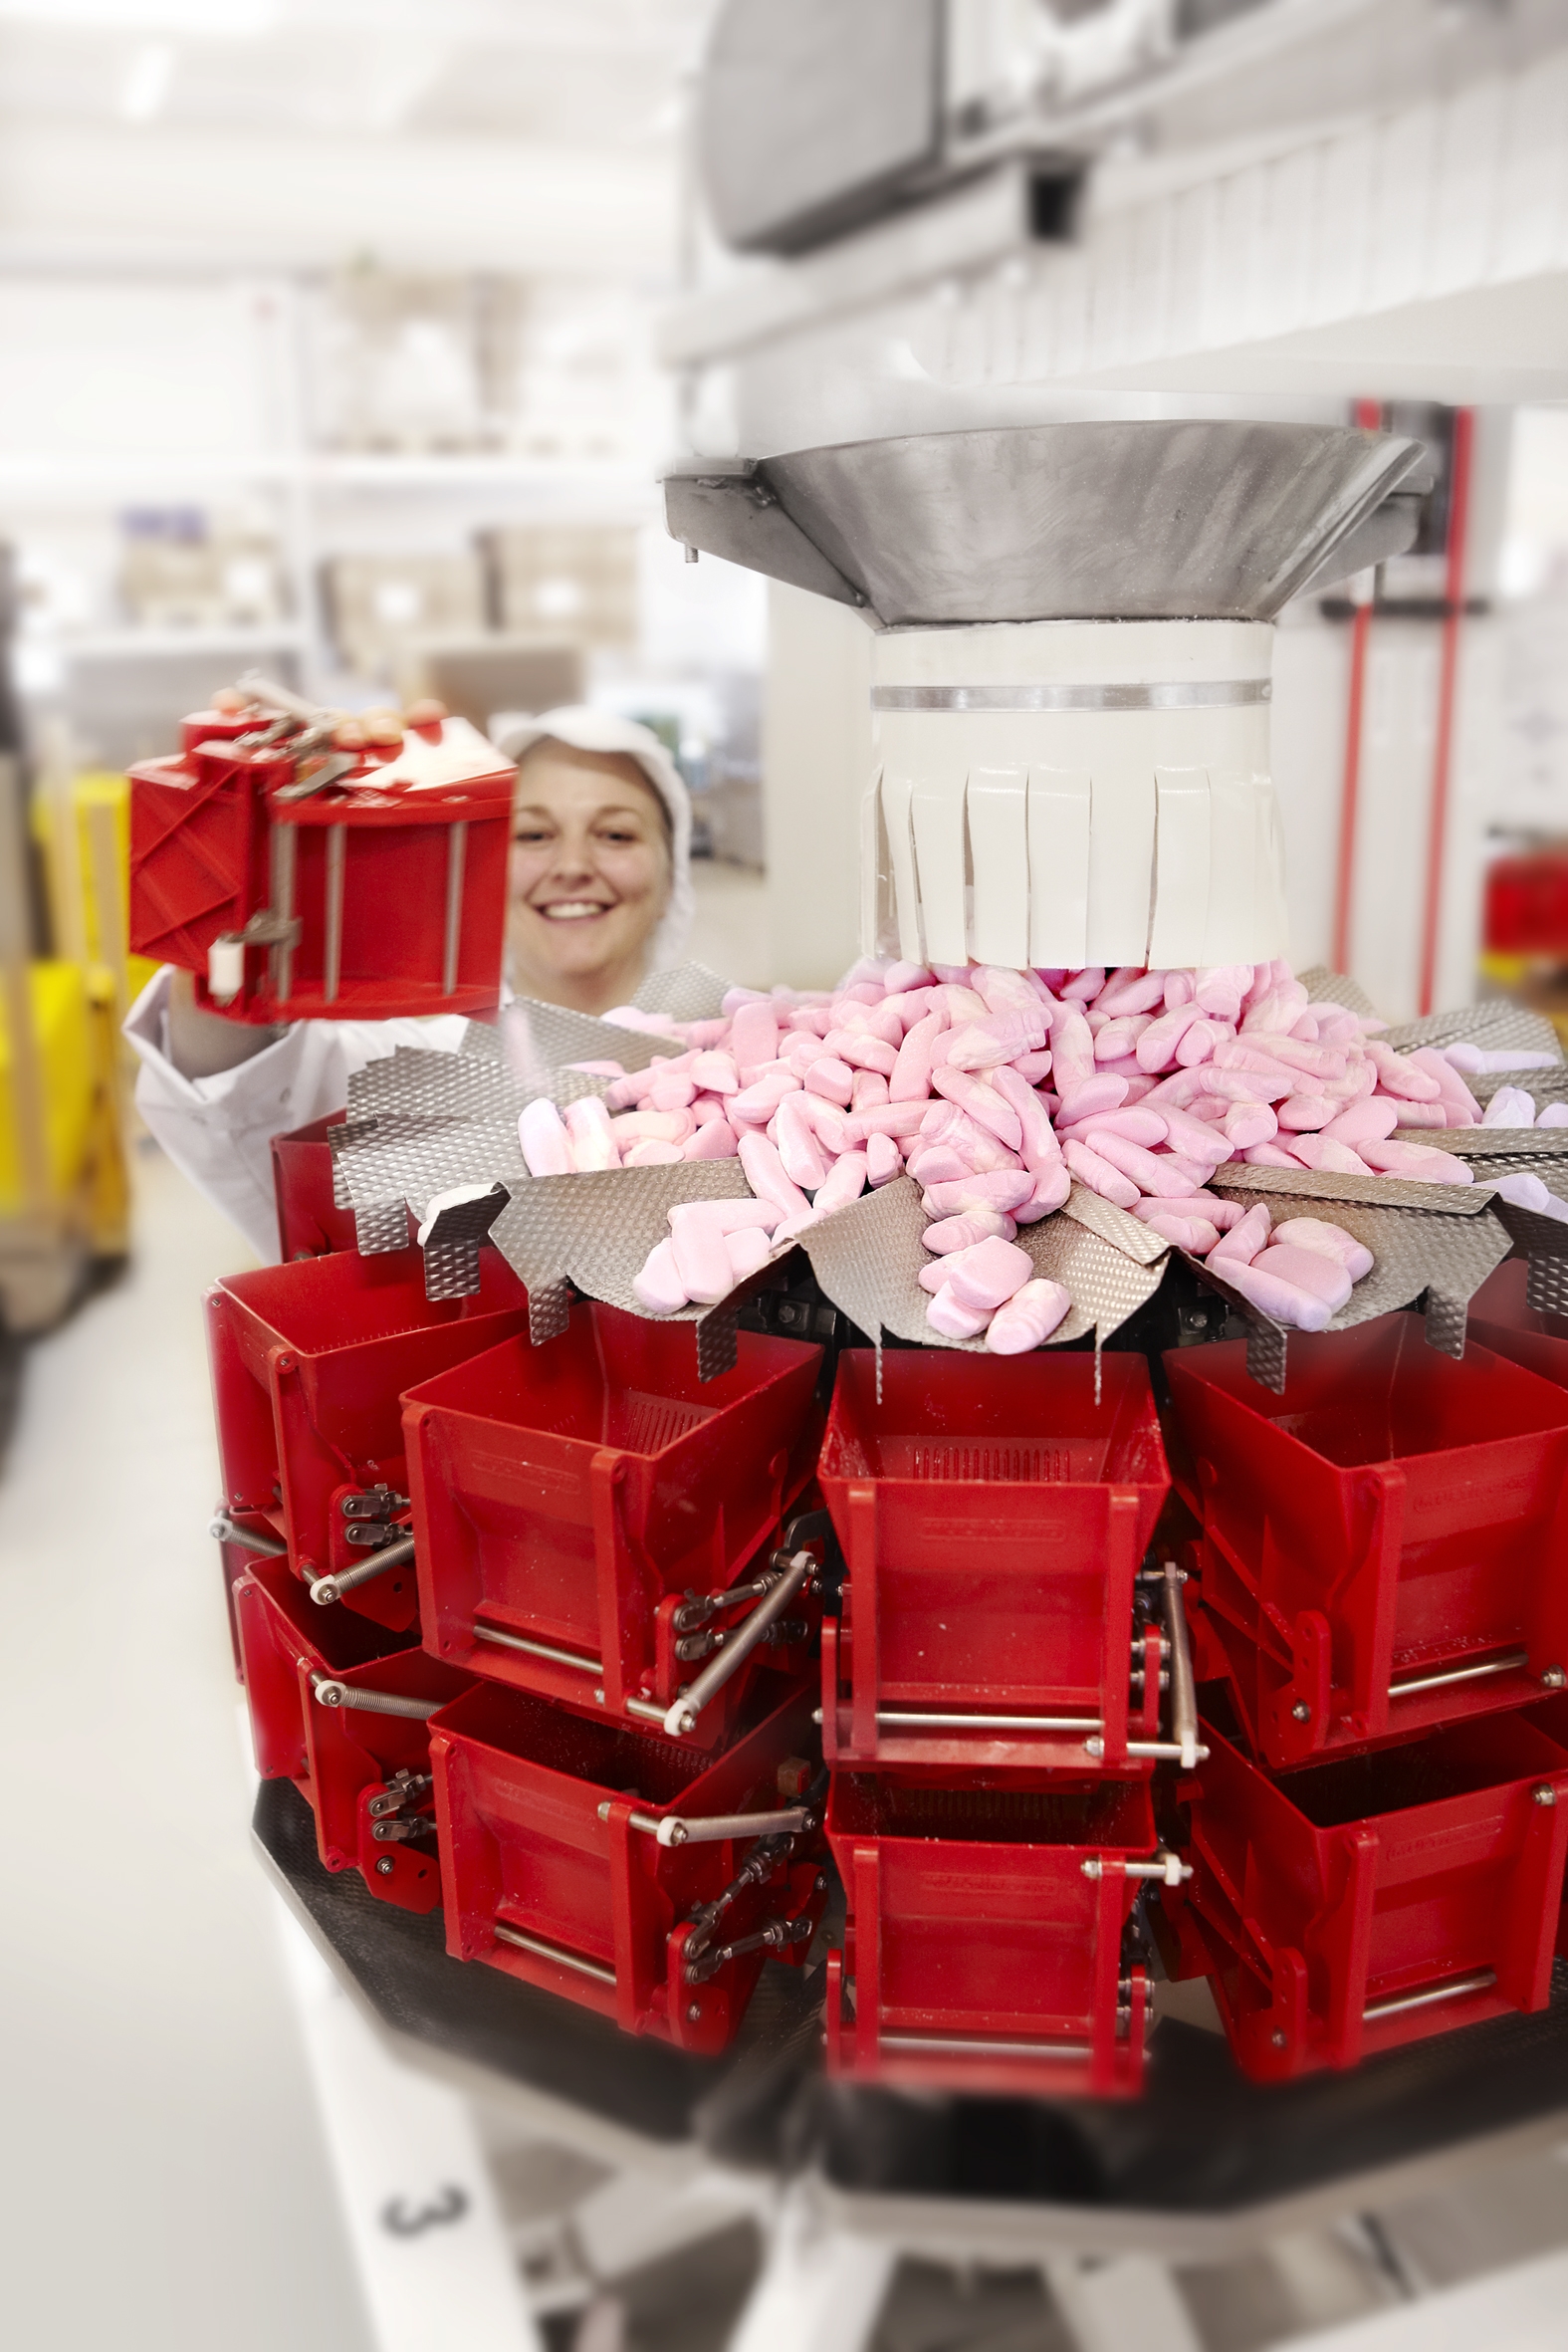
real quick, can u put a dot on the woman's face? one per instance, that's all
(590, 876)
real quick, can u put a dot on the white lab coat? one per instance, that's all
(218, 1132)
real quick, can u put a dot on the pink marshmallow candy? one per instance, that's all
(1246, 1238)
(952, 1321)
(988, 1273)
(1331, 1241)
(947, 1233)
(1099, 1175)
(1273, 1295)
(765, 1173)
(594, 1143)
(1005, 1189)
(544, 1143)
(1308, 1269)
(846, 1181)
(884, 1161)
(658, 1287)
(1029, 1318)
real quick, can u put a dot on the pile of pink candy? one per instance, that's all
(996, 1090)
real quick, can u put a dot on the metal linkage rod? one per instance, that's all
(330, 1693)
(681, 1717)
(258, 1539)
(327, 1589)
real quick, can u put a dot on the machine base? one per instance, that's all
(1203, 2155)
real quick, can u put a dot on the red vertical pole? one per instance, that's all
(1369, 415)
(1442, 762)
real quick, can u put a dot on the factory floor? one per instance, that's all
(163, 2176)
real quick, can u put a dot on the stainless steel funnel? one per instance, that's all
(1071, 670)
(1188, 520)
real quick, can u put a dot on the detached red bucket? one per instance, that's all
(1385, 1546)
(993, 1518)
(572, 1501)
(349, 1728)
(608, 1865)
(309, 1365)
(1358, 1904)
(989, 1944)
(298, 884)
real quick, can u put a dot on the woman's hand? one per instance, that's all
(354, 731)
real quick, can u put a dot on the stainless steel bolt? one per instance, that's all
(1553, 1678)
(695, 2011)
(1545, 1795)
(1301, 1712)
(1279, 2037)
(385, 1866)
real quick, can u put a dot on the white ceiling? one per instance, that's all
(532, 133)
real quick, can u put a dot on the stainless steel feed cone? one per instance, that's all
(1073, 664)
(1180, 521)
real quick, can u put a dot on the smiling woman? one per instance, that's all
(601, 834)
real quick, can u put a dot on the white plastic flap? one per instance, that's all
(937, 816)
(897, 792)
(1233, 930)
(878, 912)
(1272, 910)
(1058, 814)
(1178, 931)
(1121, 866)
(999, 844)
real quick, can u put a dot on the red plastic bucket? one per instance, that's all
(994, 1514)
(1357, 1903)
(363, 1768)
(986, 1945)
(555, 1870)
(1385, 1546)
(309, 1365)
(567, 1499)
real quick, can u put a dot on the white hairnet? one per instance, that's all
(585, 730)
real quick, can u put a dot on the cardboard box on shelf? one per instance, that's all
(575, 581)
(377, 605)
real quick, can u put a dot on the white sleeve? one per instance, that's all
(218, 1132)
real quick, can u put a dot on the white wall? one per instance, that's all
(164, 369)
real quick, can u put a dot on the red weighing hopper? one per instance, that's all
(580, 1855)
(350, 1726)
(310, 1222)
(571, 1501)
(1502, 1318)
(378, 891)
(1354, 1904)
(1385, 1545)
(309, 1365)
(993, 1518)
(988, 1944)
